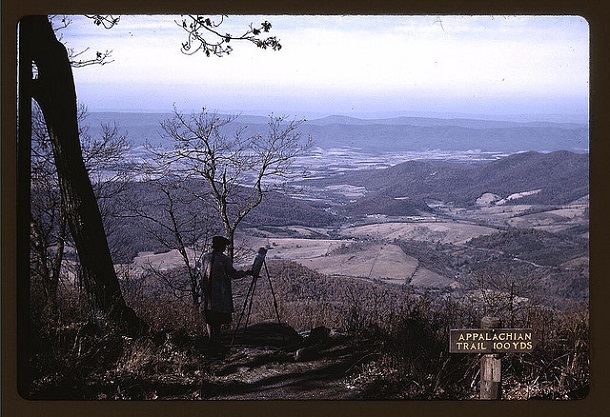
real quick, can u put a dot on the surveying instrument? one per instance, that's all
(259, 263)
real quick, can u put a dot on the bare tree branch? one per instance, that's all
(239, 170)
(203, 35)
(77, 58)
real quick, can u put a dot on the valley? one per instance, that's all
(373, 255)
(374, 201)
(440, 248)
(368, 248)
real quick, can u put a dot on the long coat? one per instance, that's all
(216, 273)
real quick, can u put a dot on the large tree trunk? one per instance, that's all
(55, 92)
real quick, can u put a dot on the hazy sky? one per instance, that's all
(351, 65)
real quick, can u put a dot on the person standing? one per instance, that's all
(215, 287)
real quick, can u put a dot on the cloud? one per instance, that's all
(328, 56)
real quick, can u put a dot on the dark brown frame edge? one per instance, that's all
(599, 21)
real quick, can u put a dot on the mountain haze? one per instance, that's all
(385, 135)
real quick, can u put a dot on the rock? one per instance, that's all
(269, 334)
(306, 354)
(318, 334)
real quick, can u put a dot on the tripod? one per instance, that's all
(250, 297)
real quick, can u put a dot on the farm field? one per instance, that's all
(370, 248)
(433, 231)
(346, 258)
(367, 251)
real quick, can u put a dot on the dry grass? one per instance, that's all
(407, 334)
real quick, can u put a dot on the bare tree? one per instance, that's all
(45, 75)
(104, 158)
(48, 228)
(238, 170)
(176, 220)
(50, 83)
(501, 294)
(52, 87)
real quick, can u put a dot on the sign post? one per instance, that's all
(491, 367)
(491, 340)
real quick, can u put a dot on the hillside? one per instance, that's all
(133, 233)
(557, 178)
(280, 210)
(384, 204)
(339, 339)
(535, 246)
(561, 176)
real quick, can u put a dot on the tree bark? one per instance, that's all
(55, 92)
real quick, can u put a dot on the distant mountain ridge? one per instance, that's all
(386, 135)
(434, 122)
(392, 138)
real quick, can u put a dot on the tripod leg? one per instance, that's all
(249, 295)
(277, 314)
(250, 306)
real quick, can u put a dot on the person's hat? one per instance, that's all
(220, 241)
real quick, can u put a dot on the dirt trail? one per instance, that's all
(318, 367)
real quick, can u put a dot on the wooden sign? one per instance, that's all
(490, 341)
